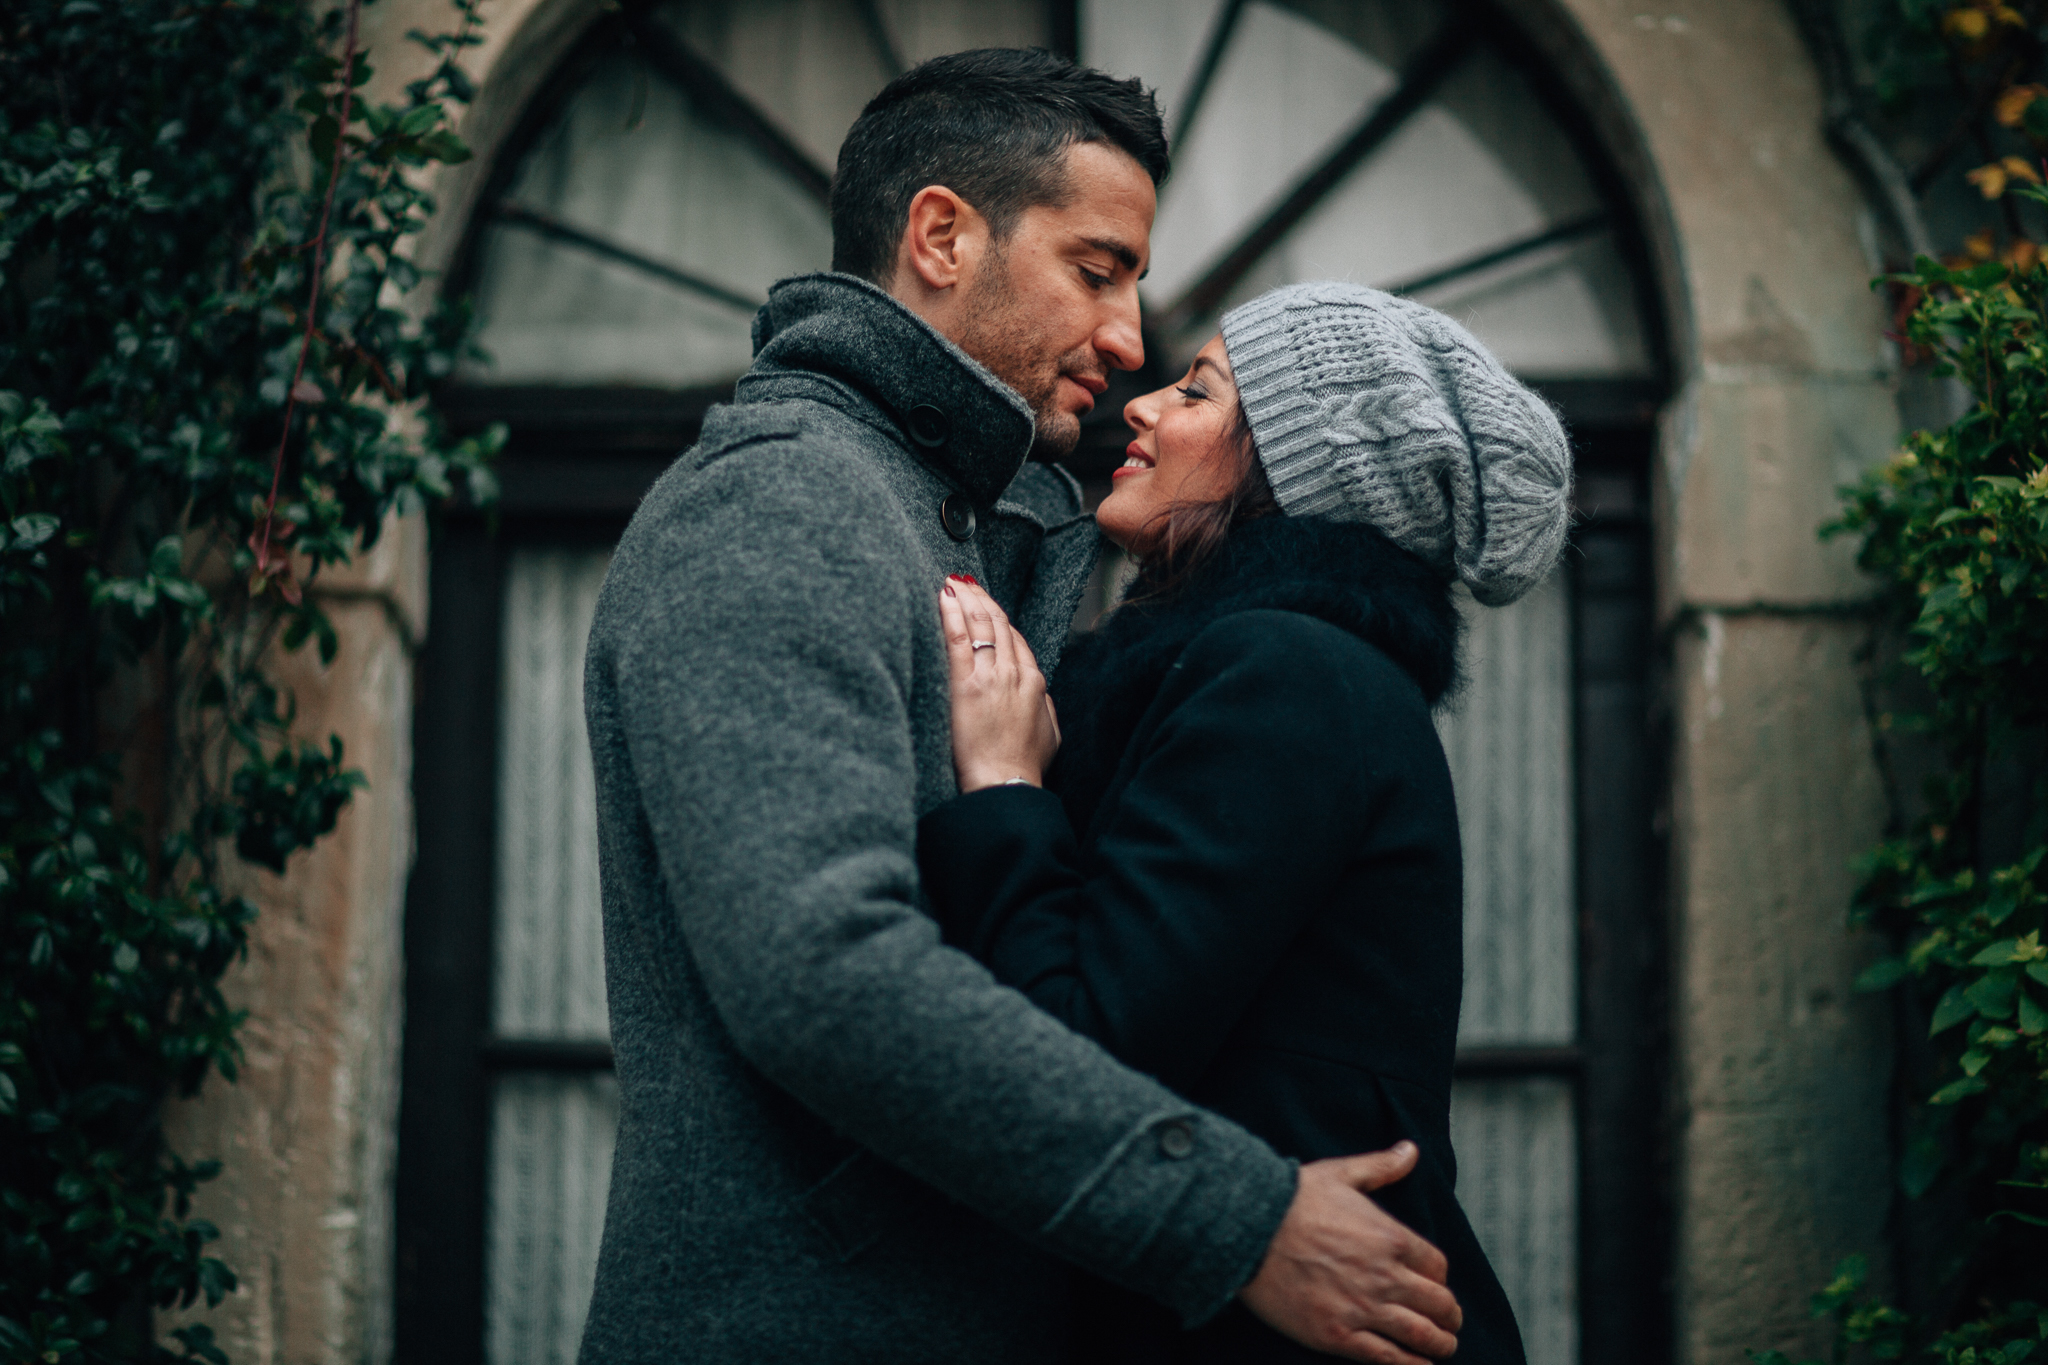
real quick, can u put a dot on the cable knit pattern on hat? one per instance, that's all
(1371, 408)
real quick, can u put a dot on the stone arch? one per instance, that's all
(1783, 392)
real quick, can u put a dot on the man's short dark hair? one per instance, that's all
(992, 126)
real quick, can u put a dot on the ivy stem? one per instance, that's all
(319, 246)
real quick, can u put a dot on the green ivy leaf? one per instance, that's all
(321, 137)
(167, 558)
(1937, 891)
(419, 120)
(2033, 1018)
(1956, 1091)
(32, 529)
(180, 291)
(1883, 974)
(1998, 954)
(445, 147)
(1954, 1007)
(1993, 995)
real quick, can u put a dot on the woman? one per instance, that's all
(1248, 883)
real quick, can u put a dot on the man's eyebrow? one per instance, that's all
(1125, 257)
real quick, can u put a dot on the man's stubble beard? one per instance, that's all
(995, 335)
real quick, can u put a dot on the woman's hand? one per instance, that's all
(1004, 726)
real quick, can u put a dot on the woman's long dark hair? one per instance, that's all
(1182, 537)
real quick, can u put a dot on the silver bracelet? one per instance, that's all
(1016, 782)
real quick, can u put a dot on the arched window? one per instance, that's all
(672, 168)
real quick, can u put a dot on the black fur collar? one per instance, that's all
(1347, 574)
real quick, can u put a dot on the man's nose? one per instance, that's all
(1120, 340)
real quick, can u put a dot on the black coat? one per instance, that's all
(1263, 909)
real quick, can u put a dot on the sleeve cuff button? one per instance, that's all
(1177, 1140)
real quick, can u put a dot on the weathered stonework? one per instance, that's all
(1780, 1073)
(1757, 461)
(309, 1132)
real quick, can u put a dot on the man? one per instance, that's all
(839, 1140)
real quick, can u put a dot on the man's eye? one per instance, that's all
(1095, 281)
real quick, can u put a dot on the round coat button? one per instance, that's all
(1177, 1140)
(927, 425)
(956, 514)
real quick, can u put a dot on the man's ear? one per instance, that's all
(943, 241)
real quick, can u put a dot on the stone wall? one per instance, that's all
(1785, 394)
(309, 1132)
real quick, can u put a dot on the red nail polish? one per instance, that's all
(948, 590)
(967, 578)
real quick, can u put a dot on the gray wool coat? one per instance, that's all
(840, 1140)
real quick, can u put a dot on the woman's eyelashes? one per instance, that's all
(1193, 392)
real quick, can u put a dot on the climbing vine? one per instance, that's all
(1955, 530)
(211, 390)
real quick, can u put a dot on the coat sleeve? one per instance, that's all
(1237, 819)
(759, 661)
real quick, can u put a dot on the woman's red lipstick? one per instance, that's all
(1133, 451)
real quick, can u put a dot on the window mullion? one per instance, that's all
(1419, 81)
(1205, 71)
(711, 92)
(1571, 230)
(555, 230)
(878, 33)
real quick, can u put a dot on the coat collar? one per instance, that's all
(942, 404)
(1347, 574)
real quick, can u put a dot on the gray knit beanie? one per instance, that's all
(1367, 407)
